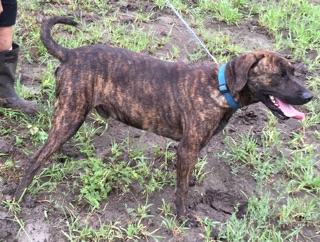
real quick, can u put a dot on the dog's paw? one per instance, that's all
(192, 181)
(190, 220)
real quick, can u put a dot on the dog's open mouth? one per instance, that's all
(283, 110)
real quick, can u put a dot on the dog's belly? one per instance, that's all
(150, 120)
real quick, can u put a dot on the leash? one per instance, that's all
(223, 88)
(191, 31)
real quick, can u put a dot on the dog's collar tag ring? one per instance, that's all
(223, 88)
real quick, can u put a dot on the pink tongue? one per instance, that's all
(289, 110)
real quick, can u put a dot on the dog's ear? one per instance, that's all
(240, 67)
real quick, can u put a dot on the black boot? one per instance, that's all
(8, 95)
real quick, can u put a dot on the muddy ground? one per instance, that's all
(216, 197)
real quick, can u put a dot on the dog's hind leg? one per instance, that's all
(66, 122)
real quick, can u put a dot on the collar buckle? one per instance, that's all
(223, 88)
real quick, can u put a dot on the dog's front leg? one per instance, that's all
(187, 155)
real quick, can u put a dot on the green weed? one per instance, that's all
(133, 38)
(208, 225)
(301, 169)
(247, 151)
(224, 10)
(199, 170)
(15, 209)
(297, 210)
(178, 4)
(169, 220)
(219, 44)
(111, 231)
(84, 138)
(38, 134)
(294, 25)
(76, 231)
(256, 225)
(99, 178)
(49, 178)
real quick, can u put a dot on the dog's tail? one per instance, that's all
(52, 46)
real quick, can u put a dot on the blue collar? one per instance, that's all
(223, 88)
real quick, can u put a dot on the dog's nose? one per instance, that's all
(307, 96)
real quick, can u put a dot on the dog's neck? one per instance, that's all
(245, 97)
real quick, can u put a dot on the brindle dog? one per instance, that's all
(172, 99)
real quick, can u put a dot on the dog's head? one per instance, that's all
(267, 77)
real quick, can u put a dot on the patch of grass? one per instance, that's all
(219, 44)
(299, 210)
(224, 10)
(142, 17)
(271, 134)
(173, 54)
(14, 209)
(136, 231)
(298, 165)
(100, 178)
(313, 116)
(270, 219)
(295, 25)
(141, 212)
(207, 226)
(8, 169)
(168, 154)
(28, 40)
(133, 38)
(170, 222)
(99, 5)
(85, 34)
(302, 172)
(132, 230)
(38, 134)
(257, 225)
(317, 135)
(22, 91)
(199, 171)
(32, 128)
(78, 232)
(48, 81)
(84, 138)
(178, 4)
(49, 178)
(247, 151)
(13, 115)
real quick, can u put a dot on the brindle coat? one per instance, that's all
(175, 100)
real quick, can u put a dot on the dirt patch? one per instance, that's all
(137, 139)
(31, 76)
(223, 204)
(37, 230)
(8, 229)
(248, 35)
(5, 147)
